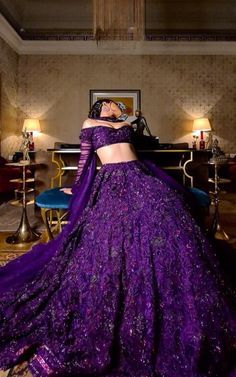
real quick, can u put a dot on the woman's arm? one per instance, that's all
(67, 190)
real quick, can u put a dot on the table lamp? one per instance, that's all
(30, 128)
(202, 125)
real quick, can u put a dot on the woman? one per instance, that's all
(130, 288)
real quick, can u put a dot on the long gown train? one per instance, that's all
(133, 290)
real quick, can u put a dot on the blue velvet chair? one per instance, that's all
(202, 203)
(202, 199)
(53, 201)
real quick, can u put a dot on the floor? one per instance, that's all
(19, 371)
(9, 252)
(227, 216)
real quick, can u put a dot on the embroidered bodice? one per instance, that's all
(104, 135)
(96, 137)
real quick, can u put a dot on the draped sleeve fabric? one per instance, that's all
(21, 270)
(85, 175)
(86, 155)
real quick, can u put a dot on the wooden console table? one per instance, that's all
(185, 165)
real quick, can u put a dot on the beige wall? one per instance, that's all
(8, 97)
(174, 90)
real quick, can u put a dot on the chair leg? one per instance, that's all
(47, 216)
(58, 225)
(44, 212)
(61, 216)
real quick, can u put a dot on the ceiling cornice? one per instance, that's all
(26, 47)
(9, 35)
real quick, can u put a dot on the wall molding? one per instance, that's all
(77, 47)
(9, 35)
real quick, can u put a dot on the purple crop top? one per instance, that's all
(103, 135)
(96, 137)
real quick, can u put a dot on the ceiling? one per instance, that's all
(164, 19)
(34, 17)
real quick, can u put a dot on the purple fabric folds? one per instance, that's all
(130, 288)
(21, 270)
(171, 182)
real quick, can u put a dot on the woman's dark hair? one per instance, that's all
(96, 108)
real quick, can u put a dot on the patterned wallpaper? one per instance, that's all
(8, 108)
(174, 91)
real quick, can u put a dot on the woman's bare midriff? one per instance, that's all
(114, 153)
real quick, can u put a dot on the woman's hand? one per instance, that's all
(66, 190)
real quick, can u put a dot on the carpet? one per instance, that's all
(9, 252)
(18, 371)
(10, 217)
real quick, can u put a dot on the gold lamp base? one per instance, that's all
(24, 233)
(220, 234)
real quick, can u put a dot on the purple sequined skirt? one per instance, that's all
(133, 291)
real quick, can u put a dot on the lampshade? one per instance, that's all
(201, 124)
(31, 125)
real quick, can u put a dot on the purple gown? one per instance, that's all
(130, 288)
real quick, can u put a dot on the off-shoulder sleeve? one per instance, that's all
(86, 153)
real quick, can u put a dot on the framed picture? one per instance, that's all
(130, 98)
